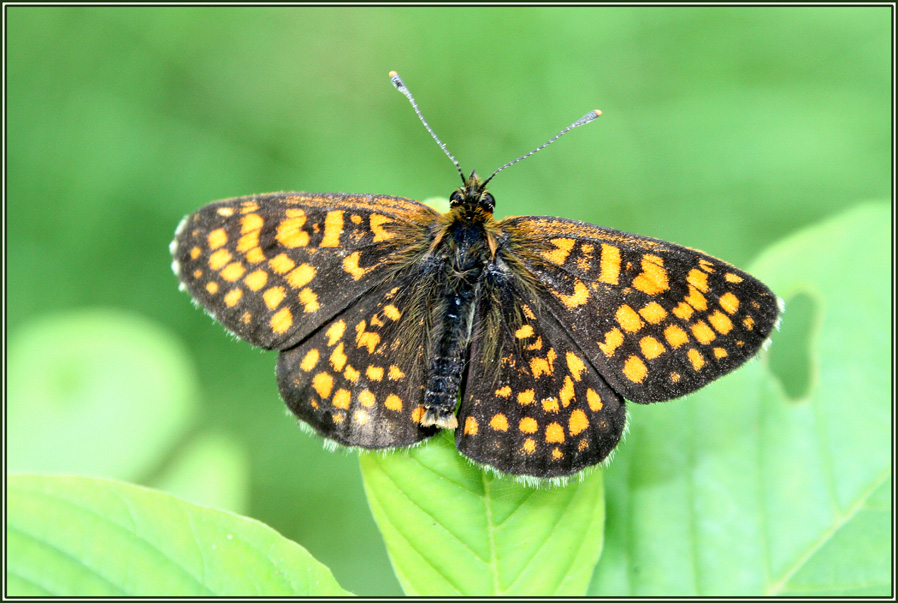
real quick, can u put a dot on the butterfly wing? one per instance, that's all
(532, 402)
(655, 319)
(274, 268)
(359, 380)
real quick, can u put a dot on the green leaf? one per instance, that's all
(774, 480)
(77, 536)
(112, 390)
(452, 529)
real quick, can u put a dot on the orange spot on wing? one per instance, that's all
(594, 400)
(351, 266)
(653, 278)
(698, 279)
(393, 402)
(651, 347)
(342, 397)
(528, 425)
(610, 264)
(282, 321)
(554, 433)
(301, 276)
(702, 332)
(628, 319)
(218, 259)
(366, 398)
(697, 360)
(499, 422)
(653, 313)
(567, 392)
(232, 297)
(273, 297)
(683, 311)
(720, 322)
(335, 332)
(377, 222)
(281, 263)
(543, 366)
(217, 238)
(250, 223)
(309, 360)
(675, 336)
(256, 280)
(579, 297)
(729, 302)
(562, 250)
(635, 369)
(575, 365)
(322, 384)
(290, 233)
(310, 300)
(338, 358)
(333, 227)
(613, 339)
(697, 300)
(577, 422)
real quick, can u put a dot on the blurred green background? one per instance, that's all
(723, 129)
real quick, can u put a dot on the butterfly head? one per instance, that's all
(472, 198)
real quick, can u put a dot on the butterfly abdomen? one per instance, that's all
(464, 253)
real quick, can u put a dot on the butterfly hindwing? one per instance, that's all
(658, 320)
(359, 380)
(273, 268)
(533, 404)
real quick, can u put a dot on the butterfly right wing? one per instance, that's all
(532, 403)
(274, 268)
(656, 319)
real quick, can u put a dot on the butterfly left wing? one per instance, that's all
(532, 403)
(657, 320)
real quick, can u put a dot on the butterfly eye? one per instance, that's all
(456, 198)
(487, 199)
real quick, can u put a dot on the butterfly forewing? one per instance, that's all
(533, 403)
(657, 320)
(274, 268)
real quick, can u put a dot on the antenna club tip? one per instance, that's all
(597, 111)
(397, 81)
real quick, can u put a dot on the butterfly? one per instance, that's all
(524, 335)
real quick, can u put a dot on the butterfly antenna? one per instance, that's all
(582, 121)
(400, 85)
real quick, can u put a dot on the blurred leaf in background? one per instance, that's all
(724, 128)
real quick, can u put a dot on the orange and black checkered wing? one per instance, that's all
(359, 380)
(274, 268)
(655, 319)
(533, 403)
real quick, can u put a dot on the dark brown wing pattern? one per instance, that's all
(533, 403)
(359, 381)
(655, 319)
(274, 268)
